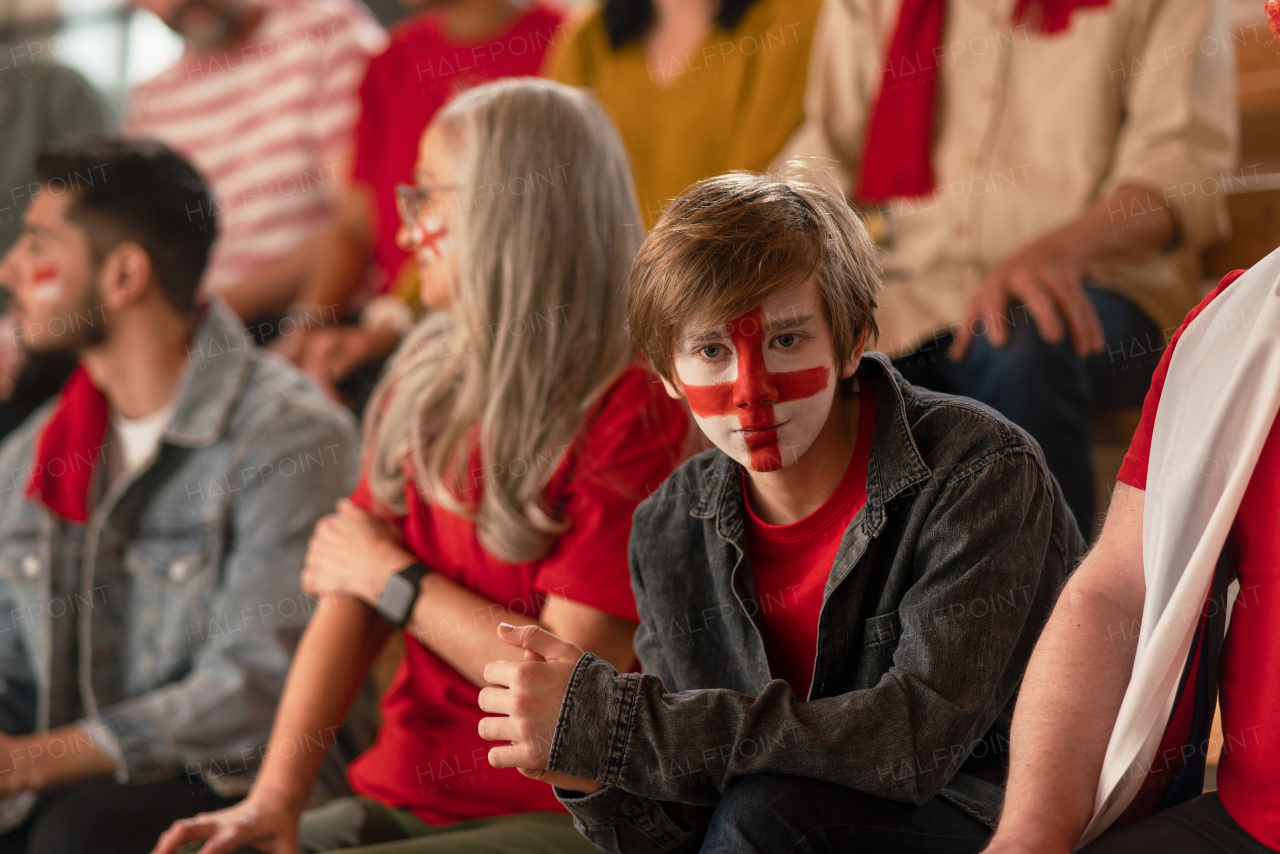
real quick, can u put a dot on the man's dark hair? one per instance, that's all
(626, 21)
(142, 191)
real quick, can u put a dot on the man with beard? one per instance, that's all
(264, 102)
(154, 517)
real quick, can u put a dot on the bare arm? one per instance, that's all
(1073, 688)
(462, 627)
(270, 290)
(333, 659)
(341, 260)
(321, 272)
(353, 553)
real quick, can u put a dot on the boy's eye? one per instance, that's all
(787, 339)
(711, 351)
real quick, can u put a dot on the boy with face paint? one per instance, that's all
(837, 601)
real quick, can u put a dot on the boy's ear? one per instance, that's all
(850, 367)
(674, 389)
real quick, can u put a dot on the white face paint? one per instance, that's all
(761, 387)
(46, 284)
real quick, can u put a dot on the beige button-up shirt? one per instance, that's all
(1030, 130)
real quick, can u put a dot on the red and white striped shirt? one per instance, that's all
(269, 123)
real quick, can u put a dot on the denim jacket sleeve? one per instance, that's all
(214, 722)
(990, 529)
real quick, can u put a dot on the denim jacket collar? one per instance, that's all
(895, 464)
(220, 358)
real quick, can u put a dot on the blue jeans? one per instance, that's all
(778, 814)
(1049, 391)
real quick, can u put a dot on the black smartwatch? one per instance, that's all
(398, 596)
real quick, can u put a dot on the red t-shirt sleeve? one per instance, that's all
(635, 441)
(1133, 471)
(368, 124)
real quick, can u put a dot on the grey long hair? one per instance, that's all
(546, 228)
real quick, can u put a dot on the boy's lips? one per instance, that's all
(761, 431)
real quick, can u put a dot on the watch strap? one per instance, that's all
(412, 575)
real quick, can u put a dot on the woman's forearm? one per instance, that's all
(332, 661)
(461, 627)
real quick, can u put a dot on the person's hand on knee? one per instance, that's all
(259, 822)
(1048, 279)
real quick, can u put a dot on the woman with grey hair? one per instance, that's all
(507, 446)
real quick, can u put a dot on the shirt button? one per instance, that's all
(30, 565)
(960, 230)
(180, 569)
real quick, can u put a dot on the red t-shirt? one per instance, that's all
(791, 562)
(428, 756)
(406, 84)
(1249, 675)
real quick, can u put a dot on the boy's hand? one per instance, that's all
(529, 693)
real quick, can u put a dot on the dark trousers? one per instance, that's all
(772, 813)
(103, 817)
(1046, 389)
(1199, 826)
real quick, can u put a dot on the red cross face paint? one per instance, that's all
(46, 284)
(432, 240)
(762, 396)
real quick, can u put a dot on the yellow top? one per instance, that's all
(731, 105)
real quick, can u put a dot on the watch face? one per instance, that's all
(396, 599)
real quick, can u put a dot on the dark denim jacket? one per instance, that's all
(941, 586)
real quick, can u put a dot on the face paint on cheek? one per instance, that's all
(754, 392)
(46, 284)
(433, 238)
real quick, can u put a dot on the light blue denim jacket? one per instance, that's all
(167, 623)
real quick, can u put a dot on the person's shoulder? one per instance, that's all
(418, 32)
(280, 401)
(585, 31)
(18, 448)
(56, 77)
(958, 436)
(172, 77)
(543, 16)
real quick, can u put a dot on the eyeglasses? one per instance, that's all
(413, 201)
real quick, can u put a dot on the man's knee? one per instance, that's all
(1025, 355)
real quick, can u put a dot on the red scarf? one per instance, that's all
(896, 156)
(68, 450)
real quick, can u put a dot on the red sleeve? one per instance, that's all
(367, 130)
(637, 439)
(1133, 471)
